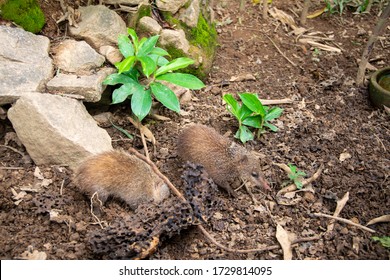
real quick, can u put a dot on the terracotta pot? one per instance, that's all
(379, 87)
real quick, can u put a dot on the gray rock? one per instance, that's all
(90, 87)
(190, 16)
(174, 38)
(8, 97)
(150, 25)
(25, 64)
(170, 6)
(57, 130)
(99, 26)
(112, 54)
(77, 57)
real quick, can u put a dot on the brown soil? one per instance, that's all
(330, 117)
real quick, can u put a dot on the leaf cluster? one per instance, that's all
(143, 66)
(338, 6)
(296, 175)
(384, 240)
(251, 113)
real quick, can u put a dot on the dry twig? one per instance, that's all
(344, 221)
(380, 26)
(292, 63)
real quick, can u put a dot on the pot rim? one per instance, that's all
(374, 76)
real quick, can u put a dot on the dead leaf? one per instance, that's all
(344, 156)
(31, 254)
(38, 173)
(317, 13)
(242, 77)
(283, 238)
(46, 182)
(319, 45)
(340, 205)
(381, 219)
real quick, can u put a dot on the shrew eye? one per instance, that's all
(255, 174)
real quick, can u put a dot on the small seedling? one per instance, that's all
(251, 113)
(143, 66)
(296, 176)
(385, 240)
(336, 6)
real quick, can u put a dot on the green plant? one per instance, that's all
(336, 6)
(251, 113)
(143, 66)
(385, 240)
(296, 175)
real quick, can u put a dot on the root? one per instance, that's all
(344, 221)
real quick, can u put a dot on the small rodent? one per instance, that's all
(121, 175)
(224, 161)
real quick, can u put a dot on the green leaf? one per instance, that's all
(271, 126)
(134, 37)
(232, 105)
(125, 46)
(148, 65)
(166, 96)
(159, 51)
(253, 103)
(141, 102)
(160, 60)
(132, 73)
(120, 94)
(244, 112)
(384, 240)
(298, 184)
(184, 80)
(244, 134)
(147, 46)
(117, 78)
(175, 64)
(126, 64)
(274, 113)
(253, 121)
(124, 131)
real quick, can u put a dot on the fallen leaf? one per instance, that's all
(242, 77)
(31, 254)
(283, 238)
(46, 182)
(381, 219)
(340, 205)
(38, 173)
(317, 13)
(344, 156)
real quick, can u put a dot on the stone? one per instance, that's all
(149, 25)
(77, 57)
(170, 6)
(25, 64)
(174, 38)
(56, 130)
(112, 54)
(99, 26)
(90, 87)
(190, 16)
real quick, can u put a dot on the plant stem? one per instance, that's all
(380, 26)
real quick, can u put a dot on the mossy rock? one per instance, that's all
(133, 18)
(203, 41)
(26, 13)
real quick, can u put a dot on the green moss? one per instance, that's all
(25, 13)
(133, 18)
(204, 36)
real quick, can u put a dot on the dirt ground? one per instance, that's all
(330, 122)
